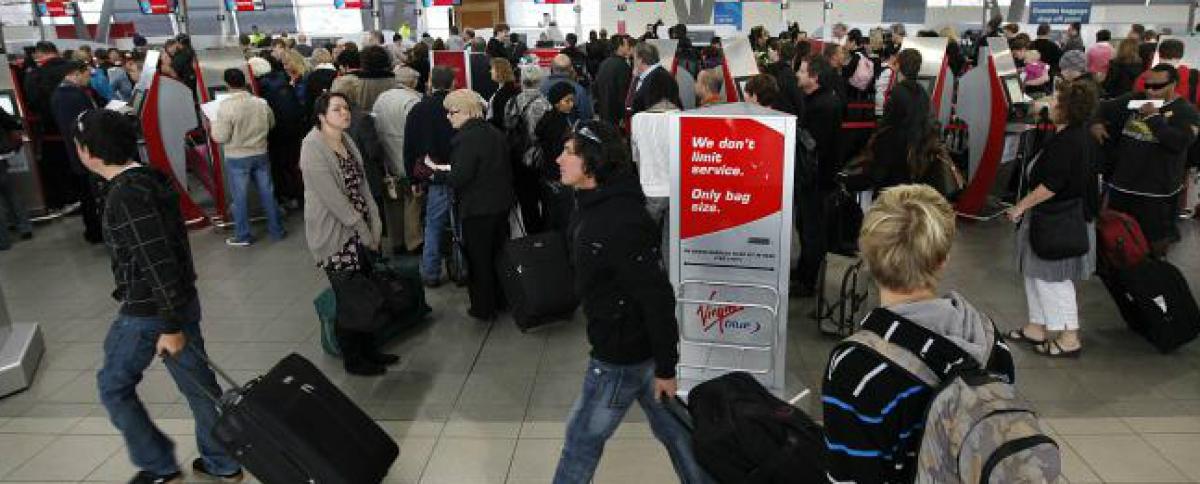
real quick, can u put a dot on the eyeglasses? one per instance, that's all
(1154, 86)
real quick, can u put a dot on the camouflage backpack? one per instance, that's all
(977, 430)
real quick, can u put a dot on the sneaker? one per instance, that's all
(200, 470)
(236, 242)
(144, 477)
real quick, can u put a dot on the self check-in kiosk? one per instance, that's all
(935, 74)
(993, 103)
(167, 113)
(21, 167)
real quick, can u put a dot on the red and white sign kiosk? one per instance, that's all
(731, 234)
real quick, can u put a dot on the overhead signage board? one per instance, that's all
(352, 4)
(56, 8)
(245, 5)
(157, 7)
(1051, 12)
(728, 13)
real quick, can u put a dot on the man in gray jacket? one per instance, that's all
(391, 112)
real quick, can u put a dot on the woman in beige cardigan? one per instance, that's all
(341, 225)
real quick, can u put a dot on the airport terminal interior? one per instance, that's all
(478, 400)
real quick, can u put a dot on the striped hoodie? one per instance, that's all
(874, 410)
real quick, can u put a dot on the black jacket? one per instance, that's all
(67, 102)
(479, 170)
(9, 125)
(366, 139)
(427, 132)
(823, 120)
(1121, 78)
(1066, 167)
(551, 133)
(659, 75)
(791, 98)
(1050, 51)
(1152, 152)
(611, 86)
(627, 299)
(500, 102)
(151, 256)
(40, 83)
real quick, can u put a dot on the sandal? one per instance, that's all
(1018, 335)
(1054, 350)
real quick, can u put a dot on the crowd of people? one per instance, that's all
(384, 153)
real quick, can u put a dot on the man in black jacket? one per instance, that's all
(427, 134)
(69, 100)
(1050, 51)
(40, 82)
(629, 305)
(652, 78)
(1148, 171)
(612, 81)
(160, 308)
(823, 121)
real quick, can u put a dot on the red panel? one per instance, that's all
(454, 59)
(729, 174)
(121, 30)
(156, 150)
(544, 56)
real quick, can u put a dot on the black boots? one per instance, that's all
(360, 355)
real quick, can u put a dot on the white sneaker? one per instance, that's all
(234, 242)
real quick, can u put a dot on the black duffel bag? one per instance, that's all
(744, 434)
(368, 298)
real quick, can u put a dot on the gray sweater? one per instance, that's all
(329, 218)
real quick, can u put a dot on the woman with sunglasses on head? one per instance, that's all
(341, 225)
(483, 184)
(629, 305)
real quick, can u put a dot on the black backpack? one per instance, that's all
(744, 434)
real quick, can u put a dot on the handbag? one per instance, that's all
(1057, 229)
(843, 220)
(944, 176)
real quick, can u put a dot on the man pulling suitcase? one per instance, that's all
(160, 308)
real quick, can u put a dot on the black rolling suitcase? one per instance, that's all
(536, 275)
(292, 425)
(1156, 302)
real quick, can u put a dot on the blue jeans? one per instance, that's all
(608, 392)
(241, 171)
(128, 350)
(437, 218)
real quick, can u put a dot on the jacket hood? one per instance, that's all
(624, 186)
(956, 319)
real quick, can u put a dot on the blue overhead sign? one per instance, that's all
(728, 13)
(1050, 12)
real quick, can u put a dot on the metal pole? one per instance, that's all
(81, 31)
(825, 19)
(37, 19)
(1191, 25)
(182, 13)
(104, 25)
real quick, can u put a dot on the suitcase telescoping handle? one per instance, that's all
(169, 360)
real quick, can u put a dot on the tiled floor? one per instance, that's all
(486, 404)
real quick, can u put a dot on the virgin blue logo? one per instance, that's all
(723, 318)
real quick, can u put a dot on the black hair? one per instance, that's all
(442, 78)
(321, 105)
(1043, 29)
(235, 78)
(349, 59)
(607, 159)
(1103, 36)
(74, 66)
(1172, 72)
(1170, 49)
(45, 47)
(107, 135)
(572, 39)
(908, 112)
(764, 88)
(909, 63)
(375, 59)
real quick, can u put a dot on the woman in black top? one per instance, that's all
(906, 143)
(551, 133)
(1062, 172)
(1124, 70)
(502, 74)
(418, 60)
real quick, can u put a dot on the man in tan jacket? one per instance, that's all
(241, 126)
(391, 114)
